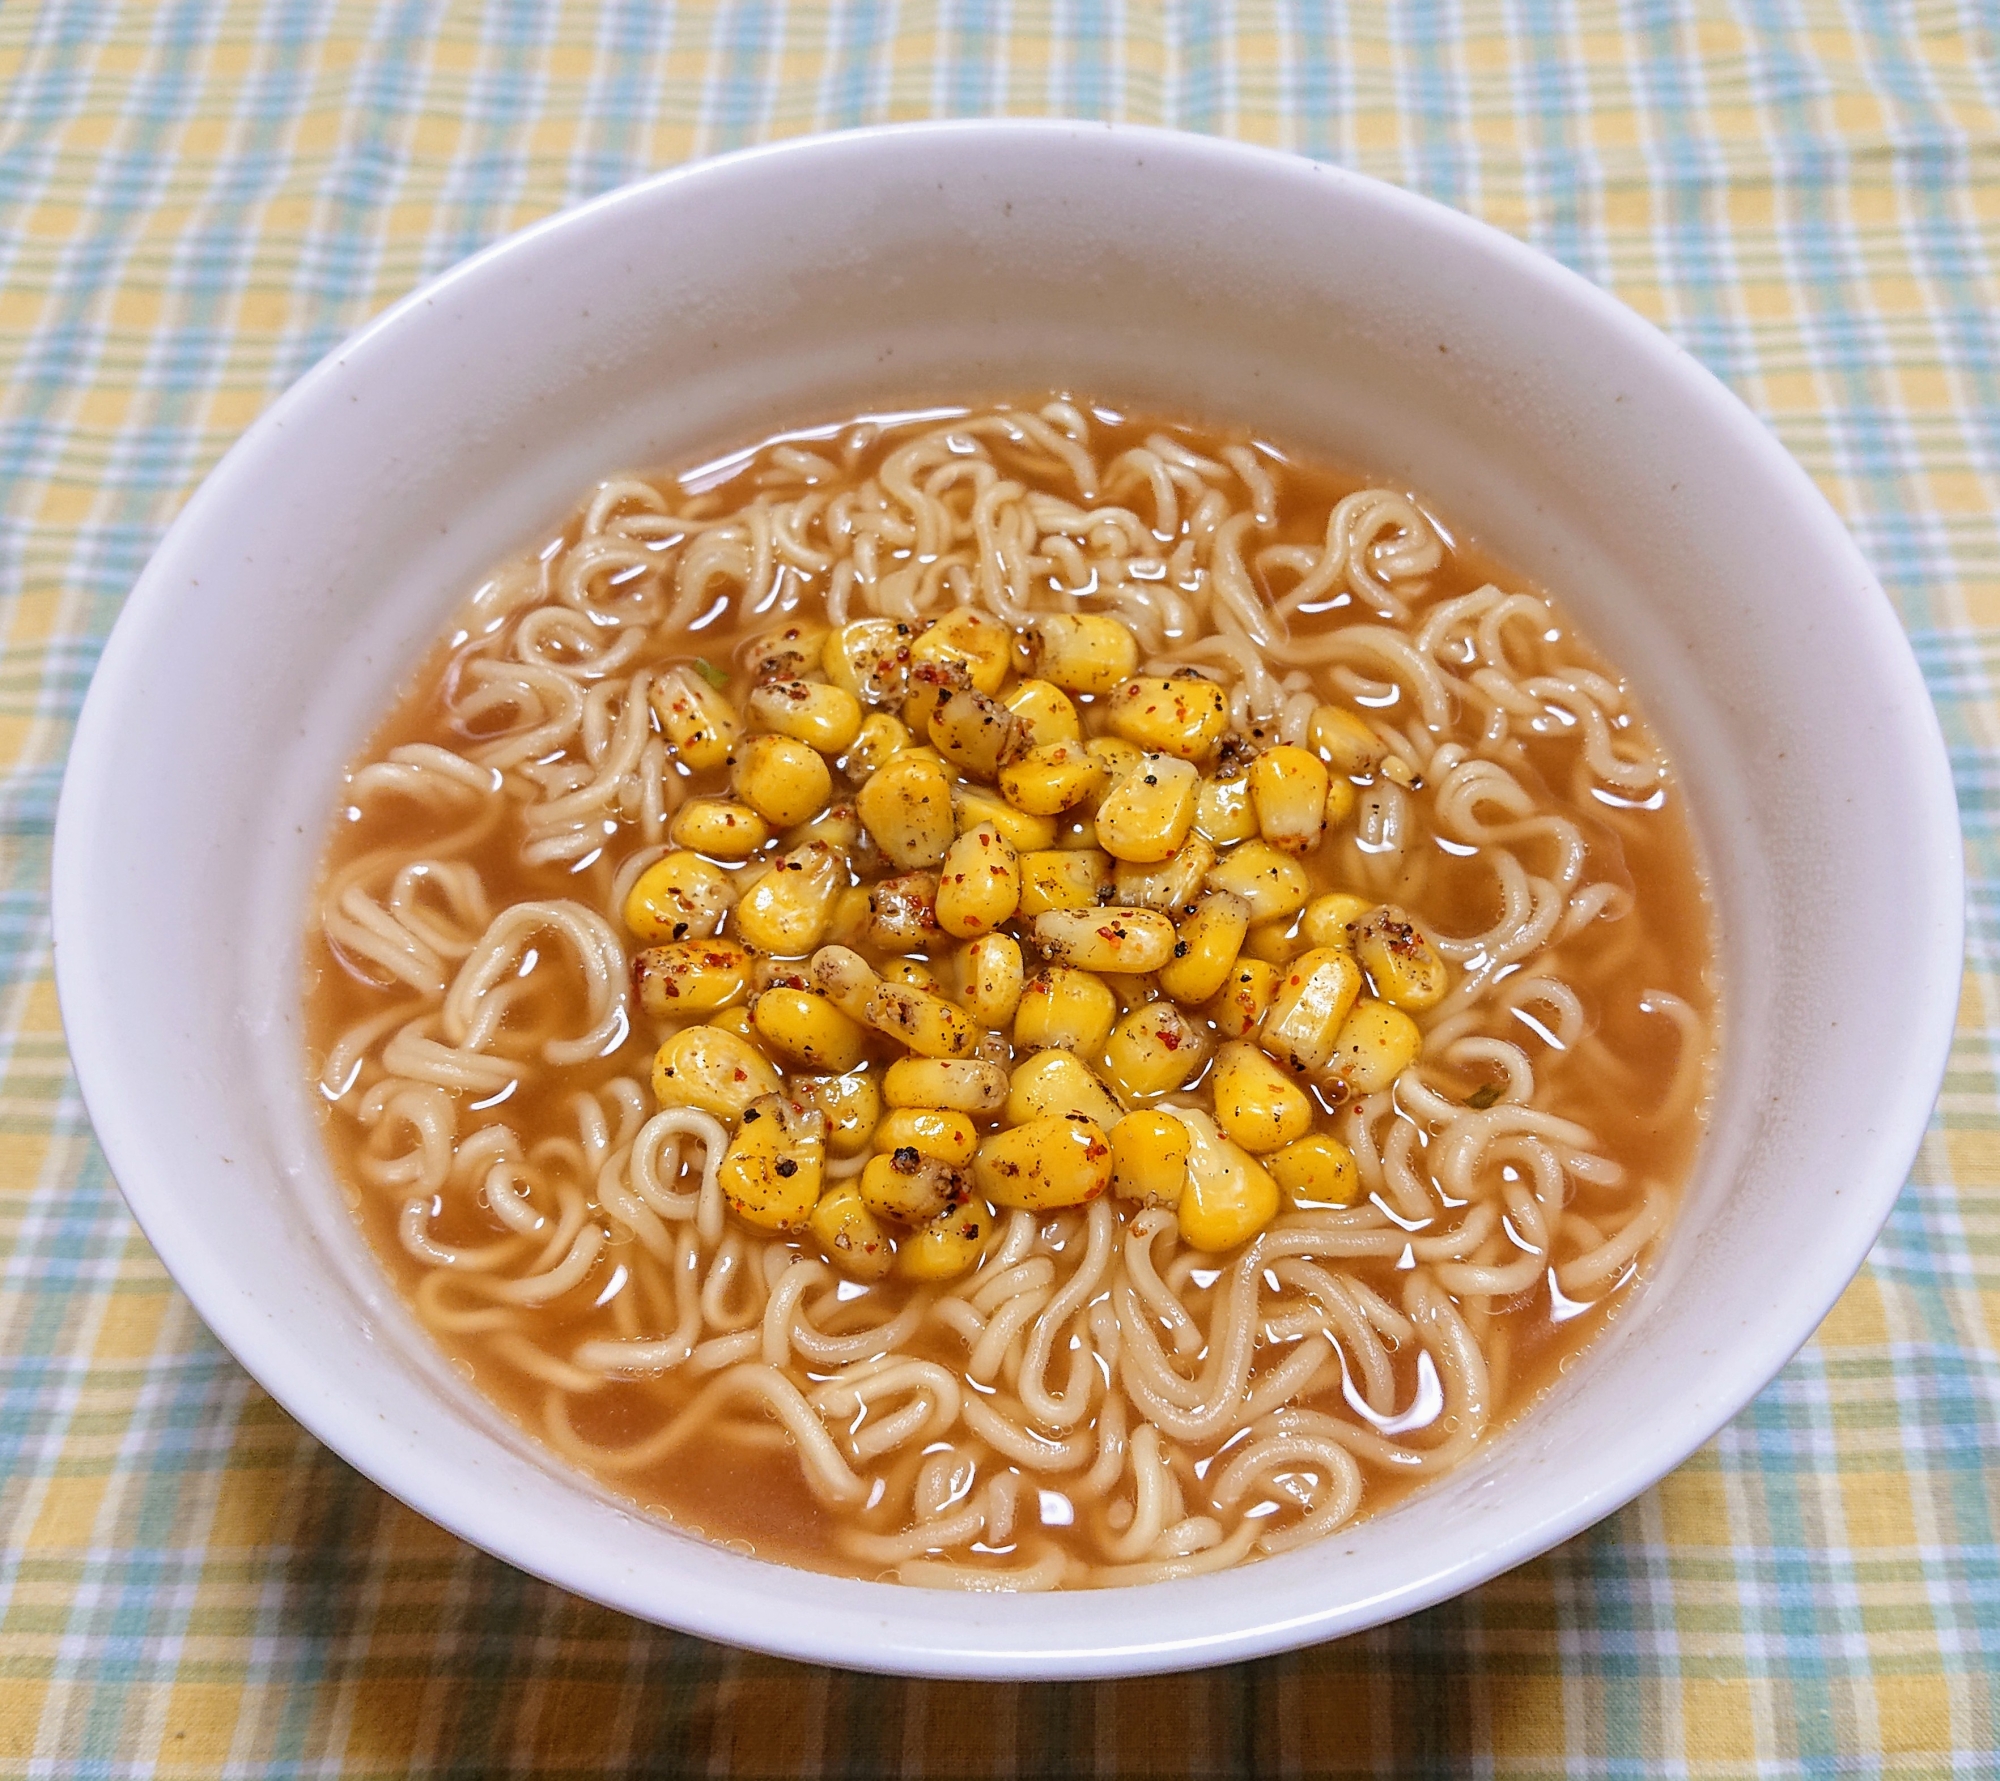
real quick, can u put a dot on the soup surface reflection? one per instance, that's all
(1012, 998)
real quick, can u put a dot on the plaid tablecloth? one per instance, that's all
(199, 197)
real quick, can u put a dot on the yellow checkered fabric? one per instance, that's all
(199, 197)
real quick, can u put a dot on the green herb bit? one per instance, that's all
(711, 673)
(1483, 1097)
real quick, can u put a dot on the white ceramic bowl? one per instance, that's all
(700, 308)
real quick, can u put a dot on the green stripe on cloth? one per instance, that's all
(198, 198)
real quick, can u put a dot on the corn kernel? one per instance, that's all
(964, 1085)
(1256, 1104)
(869, 659)
(990, 979)
(789, 653)
(907, 808)
(1063, 878)
(852, 1105)
(948, 1246)
(1065, 1010)
(1206, 946)
(880, 740)
(1327, 919)
(845, 978)
(1153, 1050)
(852, 912)
(838, 826)
(698, 722)
(826, 718)
(719, 827)
(1115, 755)
(1288, 788)
(1272, 883)
(1229, 1197)
(910, 1188)
(689, 977)
(1340, 801)
(850, 1236)
(1149, 1153)
(1240, 1006)
(1023, 832)
(902, 913)
(1146, 815)
(921, 1020)
(1344, 742)
(979, 885)
(968, 639)
(680, 896)
(976, 734)
(1131, 941)
(1223, 810)
(788, 907)
(1082, 652)
(935, 1132)
(1375, 1045)
(809, 1029)
(1168, 885)
(1313, 997)
(771, 1172)
(1052, 778)
(713, 1069)
(1046, 710)
(1180, 714)
(780, 778)
(1399, 959)
(1045, 1164)
(1317, 1170)
(1276, 942)
(1054, 1085)
(737, 1023)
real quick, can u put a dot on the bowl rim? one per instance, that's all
(93, 1035)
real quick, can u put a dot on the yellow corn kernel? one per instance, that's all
(881, 739)
(850, 1236)
(1344, 742)
(869, 659)
(964, 1085)
(1053, 1085)
(914, 972)
(1223, 810)
(771, 1172)
(1063, 878)
(713, 1069)
(1340, 801)
(1206, 946)
(990, 979)
(910, 1188)
(736, 1022)
(1288, 788)
(1326, 919)
(1256, 1104)
(852, 1105)
(1046, 710)
(1240, 1006)
(1065, 1010)
(1131, 941)
(808, 1029)
(1275, 942)
(1169, 885)
(902, 913)
(680, 896)
(930, 684)
(789, 906)
(1153, 1050)
(825, 718)
(1082, 652)
(845, 978)
(969, 639)
(789, 653)
(1314, 994)
(924, 1022)
(698, 722)
(935, 1132)
(1229, 1196)
(838, 826)
(1052, 778)
(976, 734)
(1375, 1045)
(719, 827)
(907, 808)
(979, 884)
(1115, 755)
(780, 778)
(948, 1246)
(1399, 958)
(1021, 831)
(1178, 714)
(1044, 1164)
(1146, 815)
(689, 977)
(1316, 1170)
(1272, 883)
(852, 911)
(1149, 1153)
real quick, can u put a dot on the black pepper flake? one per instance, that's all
(786, 1167)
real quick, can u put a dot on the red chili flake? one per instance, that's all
(1170, 1039)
